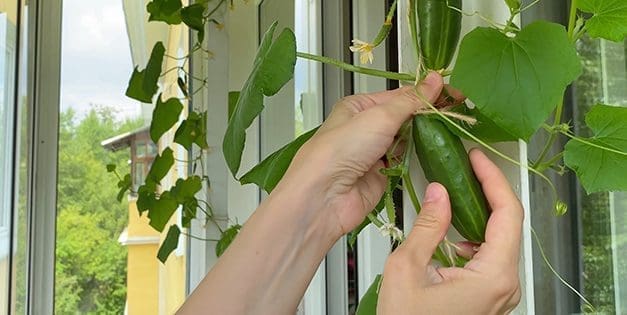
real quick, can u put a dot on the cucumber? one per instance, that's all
(444, 160)
(439, 27)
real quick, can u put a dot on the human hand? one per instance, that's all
(488, 284)
(342, 160)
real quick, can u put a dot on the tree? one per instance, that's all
(90, 263)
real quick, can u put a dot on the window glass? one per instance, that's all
(8, 28)
(602, 219)
(140, 149)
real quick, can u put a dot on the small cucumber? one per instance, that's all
(444, 160)
(439, 28)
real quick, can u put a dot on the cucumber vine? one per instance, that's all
(516, 76)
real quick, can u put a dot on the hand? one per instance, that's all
(488, 284)
(344, 157)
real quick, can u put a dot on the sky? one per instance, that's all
(96, 60)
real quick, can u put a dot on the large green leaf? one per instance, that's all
(599, 169)
(161, 166)
(233, 97)
(186, 189)
(193, 130)
(162, 210)
(167, 11)
(516, 81)
(269, 172)
(227, 238)
(368, 303)
(143, 84)
(273, 67)
(146, 197)
(169, 244)
(609, 18)
(164, 116)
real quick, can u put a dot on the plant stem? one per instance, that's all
(553, 135)
(373, 218)
(413, 28)
(352, 68)
(215, 9)
(584, 141)
(199, 238)
(572, 19)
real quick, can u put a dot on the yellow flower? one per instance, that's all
(364, 49)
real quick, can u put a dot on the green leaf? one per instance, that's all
(161, 166)
(485, 129)
(146, 197)
(599, 169)
(193, 130)
(192, 16)
(516, 81)
(233, 97)
(170, 243)
(124, 185)
(143, 84)
(164, 116)
(167, 11)
(111, 168)
(368, 303)
(513, 4)
(269, 172)
(186, 189)
(162, 211)
(190, 208)
(273, 67)
(227, 238)
(609, 18)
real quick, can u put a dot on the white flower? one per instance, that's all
(389, 229)
(364, 49)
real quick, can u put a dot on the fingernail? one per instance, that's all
(433, 193)
(432, 78)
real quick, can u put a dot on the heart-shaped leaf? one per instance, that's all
(600, 169)
(609, 18)
(164, 116)
(273, 67)
(143, 84)
(161, 166)
(516, 81)
(193, 130)
(162, 210)
(167, 11)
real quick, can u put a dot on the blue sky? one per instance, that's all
(96, 60)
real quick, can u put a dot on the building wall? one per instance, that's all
(142, 289)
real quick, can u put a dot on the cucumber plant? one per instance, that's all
(516, 77)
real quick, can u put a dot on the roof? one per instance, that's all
(121, 141)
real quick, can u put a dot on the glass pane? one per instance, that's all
(91, 264)
(603, 232)
(8, 52)
(140, 149)
(20, 230)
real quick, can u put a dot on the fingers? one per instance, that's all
(505, 224)
(430, 225)
(466, 249)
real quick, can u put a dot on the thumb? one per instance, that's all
(431, 224)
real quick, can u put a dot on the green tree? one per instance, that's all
(90, 263)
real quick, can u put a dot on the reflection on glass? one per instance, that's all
(604, 224)
(8, 27)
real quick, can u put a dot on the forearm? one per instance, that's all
(271, 262)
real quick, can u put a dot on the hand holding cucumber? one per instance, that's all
(488, 284)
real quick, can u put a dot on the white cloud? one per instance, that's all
(96, 61)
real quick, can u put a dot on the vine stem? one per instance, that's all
(546, 261)
(352, 68)
(199, 238)
(584, 141)
(414, 28)
(572, 19)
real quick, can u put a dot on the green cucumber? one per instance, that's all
(444, 160)
(439, 28)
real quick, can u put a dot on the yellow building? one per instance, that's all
(152, 287)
